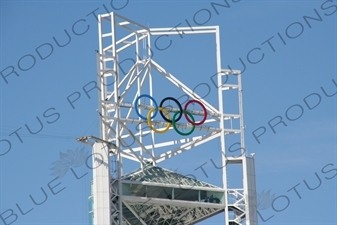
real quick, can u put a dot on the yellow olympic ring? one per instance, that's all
(150, 124)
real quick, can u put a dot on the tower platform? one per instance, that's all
(154, 195)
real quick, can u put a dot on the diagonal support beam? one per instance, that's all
(134, 213)
(138, 142)
(182, 86)
(120, 149)
(187, 146)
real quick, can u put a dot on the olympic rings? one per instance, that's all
(166, 116)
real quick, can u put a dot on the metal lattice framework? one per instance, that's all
(117, 197)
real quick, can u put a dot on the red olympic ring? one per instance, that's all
(202, 106)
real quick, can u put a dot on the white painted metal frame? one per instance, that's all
(114, 124)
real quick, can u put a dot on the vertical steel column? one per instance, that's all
(222, 125)
(242, 134)
(118, 116)
(101, 173)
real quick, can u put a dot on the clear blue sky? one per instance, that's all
(300, 64)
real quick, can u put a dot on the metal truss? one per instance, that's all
(171, 214)
(237, 205)
(117, 93)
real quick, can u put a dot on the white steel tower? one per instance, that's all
(151, 194)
